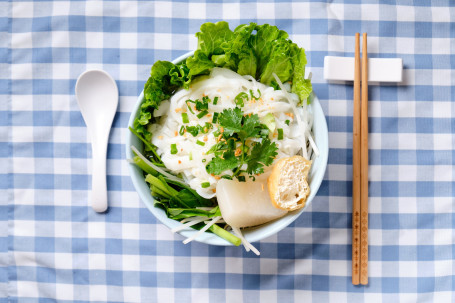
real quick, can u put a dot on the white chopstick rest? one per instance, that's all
(379, 69)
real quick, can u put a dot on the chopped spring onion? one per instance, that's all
(213, 221)
(215, 117)
(182, 130)
(241, 98)
(269, 121)
(185, 118)
(205, 184)
(174, 149)
(202, 114)
(191, 156)
(287, 122)
(253, 96)
(200, 143)
(280, 133)
(215, 101)
(189, 106)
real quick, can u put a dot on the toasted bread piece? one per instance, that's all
(288, 185)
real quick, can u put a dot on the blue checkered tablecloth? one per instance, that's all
(53, 246)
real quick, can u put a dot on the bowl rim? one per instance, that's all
(144, 192)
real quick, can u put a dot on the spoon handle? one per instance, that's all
(99, 187)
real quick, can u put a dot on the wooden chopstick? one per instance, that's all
(364, 167)
(356, 168)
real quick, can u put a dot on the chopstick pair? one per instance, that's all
(360, 167)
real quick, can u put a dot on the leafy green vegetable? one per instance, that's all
(300, 86)
(148, 169)
(212, 36)
(198, 64)
(218, 165)
(231, 120)
(238, 128)
(181, 213)
(262, 43)
(262, 155)
(239, 54)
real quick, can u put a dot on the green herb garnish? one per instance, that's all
(174, 149)
(215, 117)
(280, 133)
(185, 118)
(232, 153)
(240, 99)
(202, 114)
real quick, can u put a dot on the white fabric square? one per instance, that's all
(98, 292)
(230, 11)
(96, 229)
(199, 264)
(62, 8)
(196, 10)
(442, 77)
(268, 266)
(22, 9)
(22, 40)
(63, 229)
(163, 9)
(165, 263)
(405, 13)
(97, 261)
(442, 141)
(163, 41)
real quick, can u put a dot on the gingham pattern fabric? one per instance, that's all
(53, 246)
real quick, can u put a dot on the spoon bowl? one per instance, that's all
(97, 97)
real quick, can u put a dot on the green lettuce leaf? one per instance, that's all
(198, 64)
(262, 43)
(300, 86)
(239, 55)
(212, 36)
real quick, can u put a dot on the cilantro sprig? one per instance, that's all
(236, 147)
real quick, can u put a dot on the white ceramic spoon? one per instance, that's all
(97, 96)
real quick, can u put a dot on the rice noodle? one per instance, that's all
(245, 243)
(297, 115)
(213, 221)
(187, 224)
(226, 85)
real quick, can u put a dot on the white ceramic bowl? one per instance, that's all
(252, 234)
